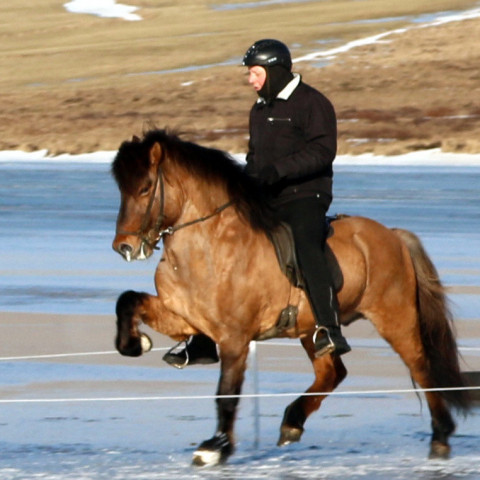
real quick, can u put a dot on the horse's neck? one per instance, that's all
(198, 204)
(198, 199)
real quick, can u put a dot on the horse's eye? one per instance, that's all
(144, 190)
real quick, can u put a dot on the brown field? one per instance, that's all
(78, 83)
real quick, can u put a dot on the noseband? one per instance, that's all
(152, 236)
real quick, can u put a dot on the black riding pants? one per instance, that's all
(306, 217)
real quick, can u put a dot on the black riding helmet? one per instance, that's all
(275, 58)
(267, 53)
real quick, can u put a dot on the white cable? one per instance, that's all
(61, 355)
(215, 397)
(113, 352)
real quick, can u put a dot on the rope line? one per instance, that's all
(65, 355)
(158, 349)
(210, 397)
(251, 395)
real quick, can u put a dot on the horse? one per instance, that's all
(219, 275)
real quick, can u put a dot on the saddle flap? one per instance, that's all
(282, 239)
(283, 242)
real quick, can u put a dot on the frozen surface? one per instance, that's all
(58, 219)
(375, 437)
(91, 419)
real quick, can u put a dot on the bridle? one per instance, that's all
(148, 236)
(153, 235)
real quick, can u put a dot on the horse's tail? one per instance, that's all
(436, 326)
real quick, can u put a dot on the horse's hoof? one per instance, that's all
(439, 450)
(289, 435)
(213, 452)
(130, 348)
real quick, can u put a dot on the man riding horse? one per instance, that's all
(292, 146)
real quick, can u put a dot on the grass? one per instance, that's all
(78, 83)
(43, 44)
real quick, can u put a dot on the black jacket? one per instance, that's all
(293, 142)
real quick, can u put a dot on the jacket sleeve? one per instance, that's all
(320, 145)
(249, 167)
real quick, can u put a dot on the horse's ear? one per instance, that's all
(155, 154)
(135, 139)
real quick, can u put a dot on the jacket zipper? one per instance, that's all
(282, 120)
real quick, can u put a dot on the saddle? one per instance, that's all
(282, 239)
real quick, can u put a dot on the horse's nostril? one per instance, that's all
(126, 250)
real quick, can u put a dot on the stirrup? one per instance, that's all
(329, 346)
(185, 350)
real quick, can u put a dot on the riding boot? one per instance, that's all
(199, 350)
(306, 217)
(328, 337)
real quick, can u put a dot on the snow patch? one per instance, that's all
(103, 8)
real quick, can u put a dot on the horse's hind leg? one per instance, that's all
(329, 372)
(421, 332)
(442, 422)
(403, 335)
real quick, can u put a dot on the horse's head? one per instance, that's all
(137, 169)
(162, 177)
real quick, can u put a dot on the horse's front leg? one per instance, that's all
(129, 341)
(218, 448)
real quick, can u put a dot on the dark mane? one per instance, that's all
(131, 165)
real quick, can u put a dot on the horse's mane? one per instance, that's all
(132, 162)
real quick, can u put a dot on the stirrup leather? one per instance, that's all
(329, 347)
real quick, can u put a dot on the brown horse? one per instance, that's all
(219, 276)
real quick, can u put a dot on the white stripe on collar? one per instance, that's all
(287, 90)
(290, 87)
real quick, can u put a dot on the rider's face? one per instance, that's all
(256, 77)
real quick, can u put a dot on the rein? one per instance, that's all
(175, 228)
(145, 235)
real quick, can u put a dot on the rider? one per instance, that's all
(292, 146)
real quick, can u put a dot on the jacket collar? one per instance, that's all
(288, 89)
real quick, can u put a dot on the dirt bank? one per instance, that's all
(414, 90)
